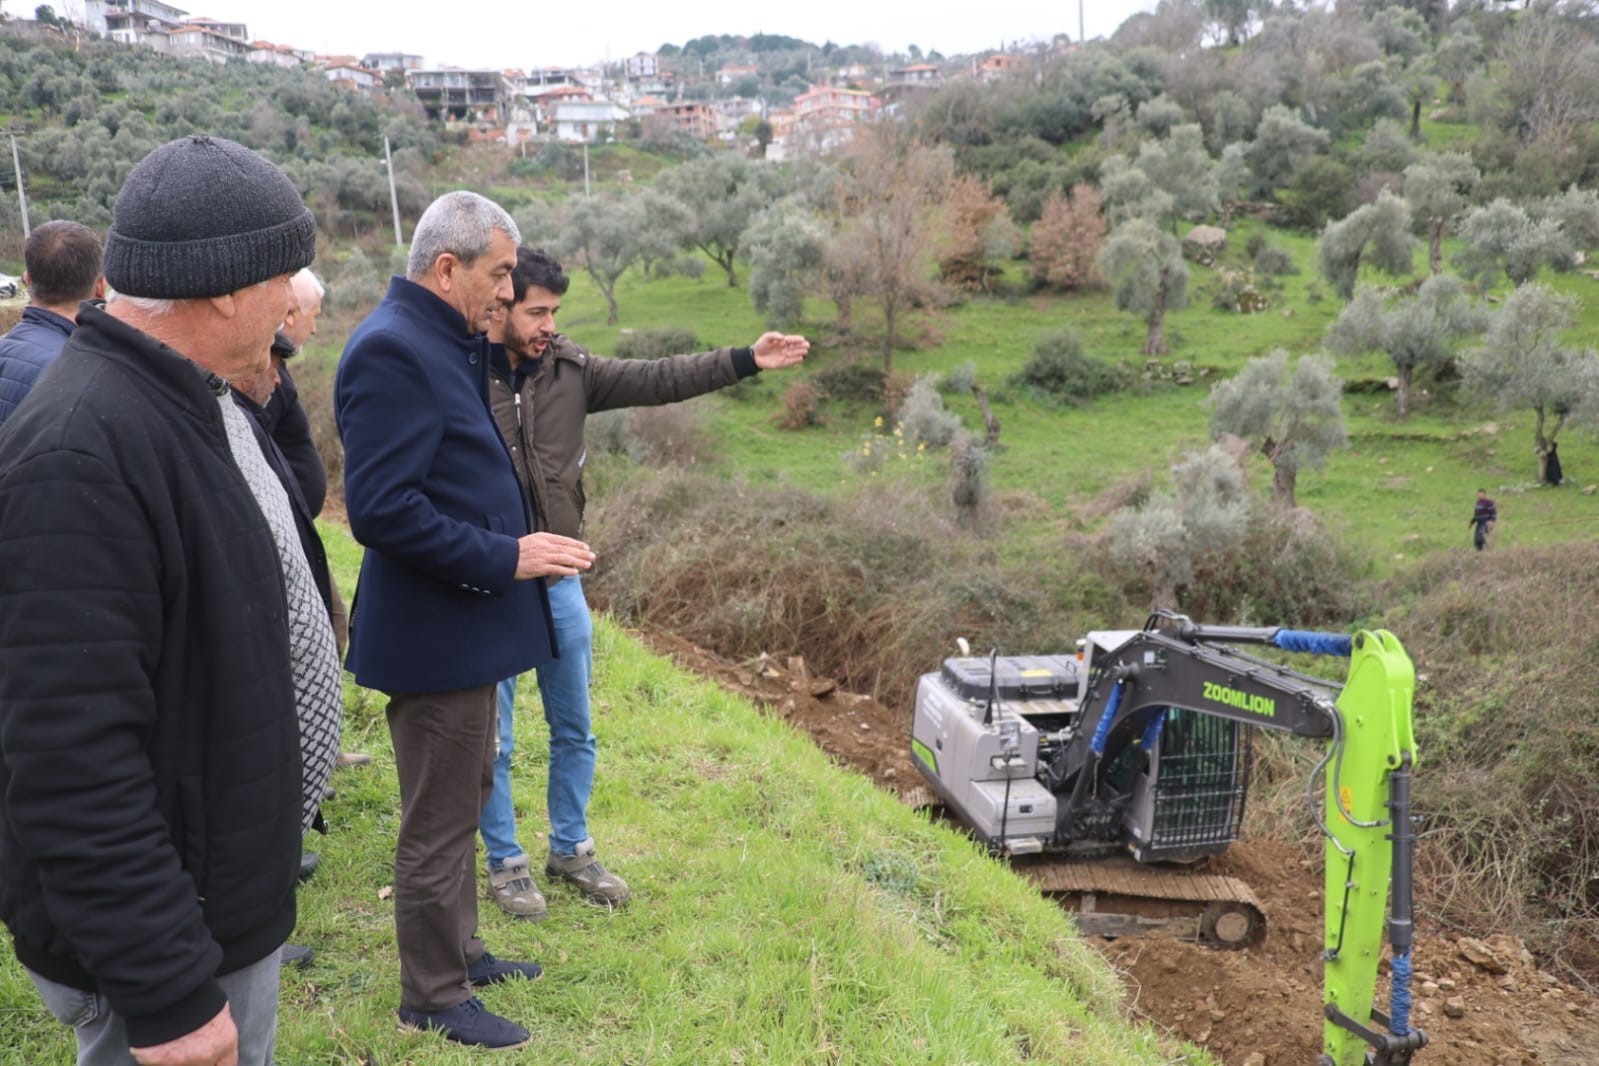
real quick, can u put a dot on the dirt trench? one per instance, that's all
(1482, 1002)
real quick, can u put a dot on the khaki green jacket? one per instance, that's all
(542, 422)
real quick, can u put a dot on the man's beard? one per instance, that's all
(524, 345)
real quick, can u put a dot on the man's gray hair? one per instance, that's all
(153, 306)
(307, 278)
(461, 223)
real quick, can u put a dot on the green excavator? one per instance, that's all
(1109, 776)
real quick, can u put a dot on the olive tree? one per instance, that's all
(785, 245)
(1436, 188)
(1413, 331)
(1180, 533)
(1293, 412)
(1180, 166)
(1377, 233)
(722, 192)
(1502, 237)
(1281, 141)
(1522, 363)
(603, 235)
(1145, 266)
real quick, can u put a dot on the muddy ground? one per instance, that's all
(1483, 1002)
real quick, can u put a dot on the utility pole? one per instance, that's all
(1082, 34)
(394, 200)
(22, 196)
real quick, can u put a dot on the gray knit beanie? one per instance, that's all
(203, 216)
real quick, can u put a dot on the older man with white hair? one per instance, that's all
(168, 683)
(450, 573)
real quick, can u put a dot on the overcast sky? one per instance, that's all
(525, 35)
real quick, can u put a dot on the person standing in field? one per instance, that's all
(160, 627)
(543, 387)
(1483, 517)
(449, 599)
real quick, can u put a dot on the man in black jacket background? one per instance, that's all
(153, 648)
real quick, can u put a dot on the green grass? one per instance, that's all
(785, 911)
(1402, 490)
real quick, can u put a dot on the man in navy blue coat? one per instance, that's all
(447, 603)
(61, 263)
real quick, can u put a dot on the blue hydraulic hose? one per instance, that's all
(1102, 731)
(1152, 731)
(1315, 643)
(1399, 1007)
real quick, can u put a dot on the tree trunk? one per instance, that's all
(1415, 119)
(612, 317)
(1404, 391)
(1543, 444)
(990, 423)
(1435, 246)
(726, 263)
(1283, 478)
(1155, 342)
(890, 320)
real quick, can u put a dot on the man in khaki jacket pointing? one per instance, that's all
(543, 386)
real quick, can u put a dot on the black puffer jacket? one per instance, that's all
(149, 752)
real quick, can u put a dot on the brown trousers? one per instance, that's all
(444, 752)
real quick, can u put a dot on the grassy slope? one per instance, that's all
(785, 912)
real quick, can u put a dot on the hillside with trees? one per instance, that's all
(1229, 314)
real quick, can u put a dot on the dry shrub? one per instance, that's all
(670, 434)
(872, 590)
(802, 405)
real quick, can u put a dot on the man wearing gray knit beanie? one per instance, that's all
(154, 774)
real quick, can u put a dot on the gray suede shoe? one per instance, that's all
(598, 885)
(513, 890)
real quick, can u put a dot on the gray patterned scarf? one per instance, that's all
(318, 691)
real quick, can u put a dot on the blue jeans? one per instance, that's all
(103, 1036)
(564, 690)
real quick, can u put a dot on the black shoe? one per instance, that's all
(468, 1023)
(297, 955)
(309, 861)
(491, 971)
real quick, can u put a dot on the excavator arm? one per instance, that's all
(1365, 816)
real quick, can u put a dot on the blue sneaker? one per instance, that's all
(491, 971)
(468, 1023)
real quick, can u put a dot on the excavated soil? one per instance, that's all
(1483, 1002)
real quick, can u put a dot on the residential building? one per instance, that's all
(733, 73)
(999, 65)
(734, 110)
(642, 65)
(582, 121)
(143, 22)
(383, 62)
(202, 42)
(237, 30)
(481, 96)
(696, 120)
(826, 117)
(353, 76)
(277, 55)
